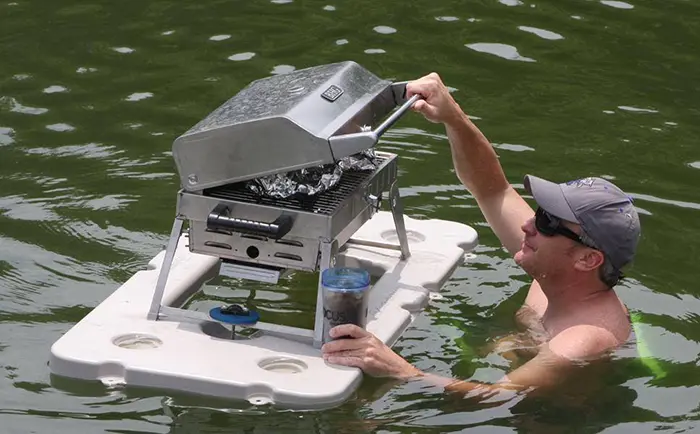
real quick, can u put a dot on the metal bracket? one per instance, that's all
(159, 312)
(397, 213)
(157, 301)
(329, 248)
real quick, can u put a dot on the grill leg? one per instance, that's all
(326, 259)
(165, 269)
(397, 213)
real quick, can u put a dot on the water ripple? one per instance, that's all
(15, 106)
(617, 4)
(55, 89)
(140, 175)
(422, 189)
(400, 143)
(6, 136)
(138, 96)
(88, 150)
(512, 147)
(241, 56)
(17, 207)
(384, 30)
(404, 132)
(85, 70)
(636, 109)
(60, 127)
(123, 167)
(123, 50)
(113, 237)
(503, 51)
(43, 268)
(678, 203)
(111, 202)
(282, 69)
(544, 34)
(329, 8)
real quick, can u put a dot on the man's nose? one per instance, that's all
(529, 226)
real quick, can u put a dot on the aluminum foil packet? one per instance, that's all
(311, 180)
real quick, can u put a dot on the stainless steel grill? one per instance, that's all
(307, 118)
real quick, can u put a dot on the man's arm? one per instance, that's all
(475, 162)
(554, 363)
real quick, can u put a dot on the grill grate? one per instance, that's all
(325, 203)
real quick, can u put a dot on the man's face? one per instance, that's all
(546, 256)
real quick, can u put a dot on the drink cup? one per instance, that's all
(345, 297)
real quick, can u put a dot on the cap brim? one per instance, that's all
(550, 197)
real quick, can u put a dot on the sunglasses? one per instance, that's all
(549, 225)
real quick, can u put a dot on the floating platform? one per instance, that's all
(116, 343)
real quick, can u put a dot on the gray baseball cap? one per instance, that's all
(606, 214)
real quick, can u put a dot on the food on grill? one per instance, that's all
(311, 180)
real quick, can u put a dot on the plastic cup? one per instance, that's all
(345, 297)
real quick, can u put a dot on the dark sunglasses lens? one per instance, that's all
(544, 223)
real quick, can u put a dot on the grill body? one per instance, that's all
(330, 216)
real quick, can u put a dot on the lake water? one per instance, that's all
(93, 93)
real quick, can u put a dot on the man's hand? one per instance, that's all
(363, 350)
(438, 105)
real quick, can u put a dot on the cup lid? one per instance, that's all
(345, 279)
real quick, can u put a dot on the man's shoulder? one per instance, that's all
(583, 341)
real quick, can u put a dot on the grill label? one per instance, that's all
(249, 272)
(332, 93)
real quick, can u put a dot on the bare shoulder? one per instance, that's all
(583, 341)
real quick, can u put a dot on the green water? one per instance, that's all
(93, 93)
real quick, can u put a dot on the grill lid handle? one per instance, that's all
(219, 219)
(348, 144)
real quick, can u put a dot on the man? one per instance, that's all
(573, 246)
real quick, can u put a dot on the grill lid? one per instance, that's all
(286, 122)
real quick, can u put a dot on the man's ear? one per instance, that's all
(590, 260)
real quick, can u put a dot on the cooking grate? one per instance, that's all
(325, 203)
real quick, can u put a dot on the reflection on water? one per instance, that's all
(92, 95)
(14, 106)
(544, 34)
(501, 50)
